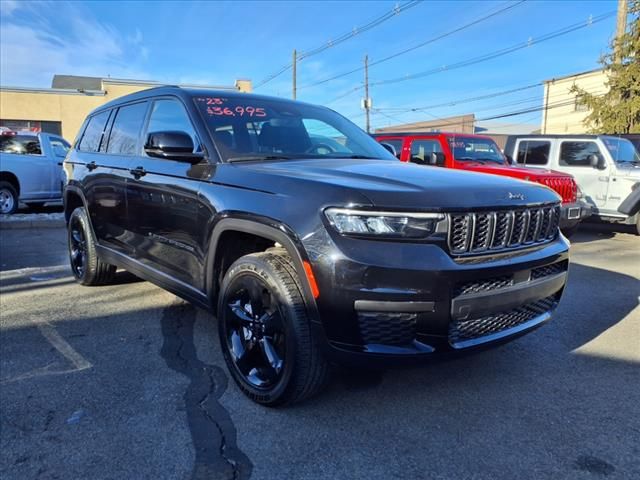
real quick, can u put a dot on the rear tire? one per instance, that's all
(86, 266)
(264, 331)
(8, 198)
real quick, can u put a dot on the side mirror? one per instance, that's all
(597, 161)
(437, 159)
(172, 145)
(391, 149)
(509, 159)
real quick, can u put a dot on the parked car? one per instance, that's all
(479, 153)
(607, 168)
(307, 257)
(30, 169)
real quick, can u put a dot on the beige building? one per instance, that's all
(458, 124)
(62, 108)
(562, 112)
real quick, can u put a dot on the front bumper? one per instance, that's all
(571, 214)
(397, 303)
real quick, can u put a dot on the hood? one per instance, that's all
(385, 184)
(513, 171)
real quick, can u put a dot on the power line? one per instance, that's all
(464, 100)
(499, 53)
(415, 47)
(492, 55)
(512, 113)
(342, 38)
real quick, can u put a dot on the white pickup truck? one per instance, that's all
(30, 169)
(605, 167)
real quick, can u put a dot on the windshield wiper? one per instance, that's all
(257, 158)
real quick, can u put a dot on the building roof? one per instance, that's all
(462, 122)
(579, 74)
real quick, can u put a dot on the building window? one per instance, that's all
(35, 126)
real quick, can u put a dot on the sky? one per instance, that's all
(214, 43)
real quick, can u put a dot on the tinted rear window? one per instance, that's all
(93, 133)
(533, 152)
(126, 128)
(20, 144)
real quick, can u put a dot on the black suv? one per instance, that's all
(307, 239)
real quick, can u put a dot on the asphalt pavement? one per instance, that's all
(127, 381)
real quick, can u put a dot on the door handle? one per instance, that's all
(138, 172)
(91, 165)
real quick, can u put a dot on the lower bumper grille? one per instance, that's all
(387, 328)
(463, 331)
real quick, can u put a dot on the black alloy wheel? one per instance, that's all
(265, 332)
(255, 332)
(77, 247)
(86, 265)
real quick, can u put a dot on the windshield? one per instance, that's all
(247, 129)
(473, 149)
(621, 149)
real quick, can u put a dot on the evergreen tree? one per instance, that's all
(618, 111)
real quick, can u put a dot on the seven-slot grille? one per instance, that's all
(471, 233)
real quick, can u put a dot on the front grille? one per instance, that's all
(476, 233)
(548, 270)
(387, 328)
(477, 286)
(566, 187)
(474, 329)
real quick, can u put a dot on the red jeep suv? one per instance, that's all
(478, 153)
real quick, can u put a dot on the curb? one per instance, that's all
(15, 222)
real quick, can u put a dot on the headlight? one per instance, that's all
(385, 224)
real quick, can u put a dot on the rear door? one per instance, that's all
(162, 198)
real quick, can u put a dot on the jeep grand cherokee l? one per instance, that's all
(309, 241)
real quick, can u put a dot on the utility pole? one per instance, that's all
(294, 61)
(621, 28)
(367, 101)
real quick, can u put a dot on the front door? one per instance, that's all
(574, 158)
(162, 198)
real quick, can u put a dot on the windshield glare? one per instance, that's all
(245, 128)
(472, 149)
(621, 149)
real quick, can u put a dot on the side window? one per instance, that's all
(20, 144)
(125, 131)
(170, 115)
(93, 133)
(421, 150)
(533, 152)
(397, 144)
(576, 154)
(59, 147)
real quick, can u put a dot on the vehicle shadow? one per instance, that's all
(590, 231)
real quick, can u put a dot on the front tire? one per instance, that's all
(86, 266)
(264, 331)
(8, 198)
